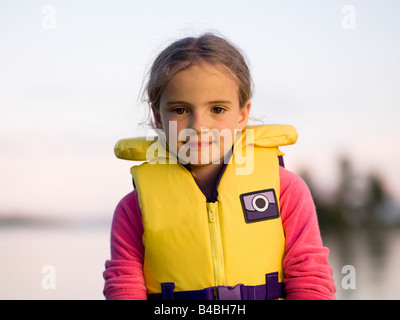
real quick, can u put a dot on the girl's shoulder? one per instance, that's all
(295, 196)
(127, 212)
(291, 182)
(129, 199)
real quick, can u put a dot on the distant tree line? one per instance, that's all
(360, 202)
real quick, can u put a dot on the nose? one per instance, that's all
(198, 121)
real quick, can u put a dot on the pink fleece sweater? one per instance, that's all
(308, 275)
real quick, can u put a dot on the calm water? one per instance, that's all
(78, 256)
(375, 256)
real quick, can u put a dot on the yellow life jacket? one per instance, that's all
(236, 238)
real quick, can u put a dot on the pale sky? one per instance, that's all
(71, 72)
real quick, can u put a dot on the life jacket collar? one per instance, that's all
(265, 136)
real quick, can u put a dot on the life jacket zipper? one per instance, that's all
(216, 244)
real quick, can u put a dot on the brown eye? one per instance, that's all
(179, 110)
(218, 110)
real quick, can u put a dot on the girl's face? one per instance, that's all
(197, 100)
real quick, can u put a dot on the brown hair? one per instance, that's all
(206, 48)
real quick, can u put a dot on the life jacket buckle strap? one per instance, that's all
(167, 291)
(229, 293)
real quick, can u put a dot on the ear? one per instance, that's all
(244, 115)
(157, 117)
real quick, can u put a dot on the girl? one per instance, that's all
(212, 216)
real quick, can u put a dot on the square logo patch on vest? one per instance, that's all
(259, 205)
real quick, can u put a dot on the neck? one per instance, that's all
(206, 176)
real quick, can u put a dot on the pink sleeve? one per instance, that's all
(124, 271)
(308, 275)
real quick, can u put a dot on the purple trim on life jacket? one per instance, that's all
(281, 163)
(229, 293)
(256, 292)
(272, 290)
(273, 286)
(214, 192)
(167, 291)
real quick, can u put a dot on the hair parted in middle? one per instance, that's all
(207, 48)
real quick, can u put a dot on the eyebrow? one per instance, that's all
(209, 102)
(220, 102)
(177, 102)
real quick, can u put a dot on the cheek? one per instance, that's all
(166, 123)
(172, 128)
(231, 124)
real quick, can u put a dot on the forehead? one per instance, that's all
(201, 80)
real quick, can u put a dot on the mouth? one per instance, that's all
(199, 144)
